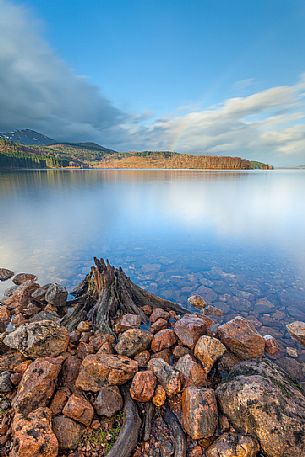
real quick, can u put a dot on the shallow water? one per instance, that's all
(234, 236)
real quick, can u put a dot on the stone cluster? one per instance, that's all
(200, 388)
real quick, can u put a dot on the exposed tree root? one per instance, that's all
(178, 433)
(128, 437)
(106, 292)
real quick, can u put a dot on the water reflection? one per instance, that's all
(235, 233)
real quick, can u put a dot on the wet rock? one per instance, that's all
(128, 321)
(159, 396)
(100, 369)
(297, 331)
(20, 278)
(240, 337)
(133, 341)
(108, 401)
(33, 436)
(79, 409)
(163, 339)
(208, 350)
(39, 339)
(189, 329)
(207, 293)
(199, 412)
(168, 377)
(233, 445)
(5, 382)
(56, 295)
(143, 386)
(5, 274)
(271, 345)
(37, 385)
(261, 400)
(158, 313)
(197, 301)
(191, 371)
(67, 431)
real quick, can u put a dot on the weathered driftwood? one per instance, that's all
(106, 292)
(128, 437)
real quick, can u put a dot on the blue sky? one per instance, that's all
(165, 74)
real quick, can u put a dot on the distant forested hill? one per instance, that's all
(91, 155)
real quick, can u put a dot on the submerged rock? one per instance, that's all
(39, 339)
(240, 337)
(260, 399)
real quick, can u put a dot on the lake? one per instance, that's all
(233, 236)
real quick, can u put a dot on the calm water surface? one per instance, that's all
(234, 237)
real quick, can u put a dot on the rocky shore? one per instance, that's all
(120, 372)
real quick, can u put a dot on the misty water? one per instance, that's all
(234, 237)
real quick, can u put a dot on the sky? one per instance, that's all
(198, 76)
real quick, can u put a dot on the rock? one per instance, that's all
(84, 326)
(147, 309)
(39, 294)
(22, 295)
(20, 278)
(5, 274)
(261, 400)
(197, 301)
(108, 401)
(159, 396)
(142, 358)
(59, 400)
(33, 435)
(271, 345)
(143, 386)
(39, 339)
(99, 369)
(197, 451)
(191, 371)
(240, 336)
(213, 311)
(233, 445)
(79, 409)
(297, 331)
(67, 431)
(167, 376)
(263, 306)
(163, 339)
(208, 350)
(128, 321)
(5, 382)
(180, 351)
(158, 313)
(292, 352)
(160, 324)
(69, 371)
(133, 341)
(37, 385)
(56, 295)
(199, 412)
(189, 329)
(165, 354)
(4, 314)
